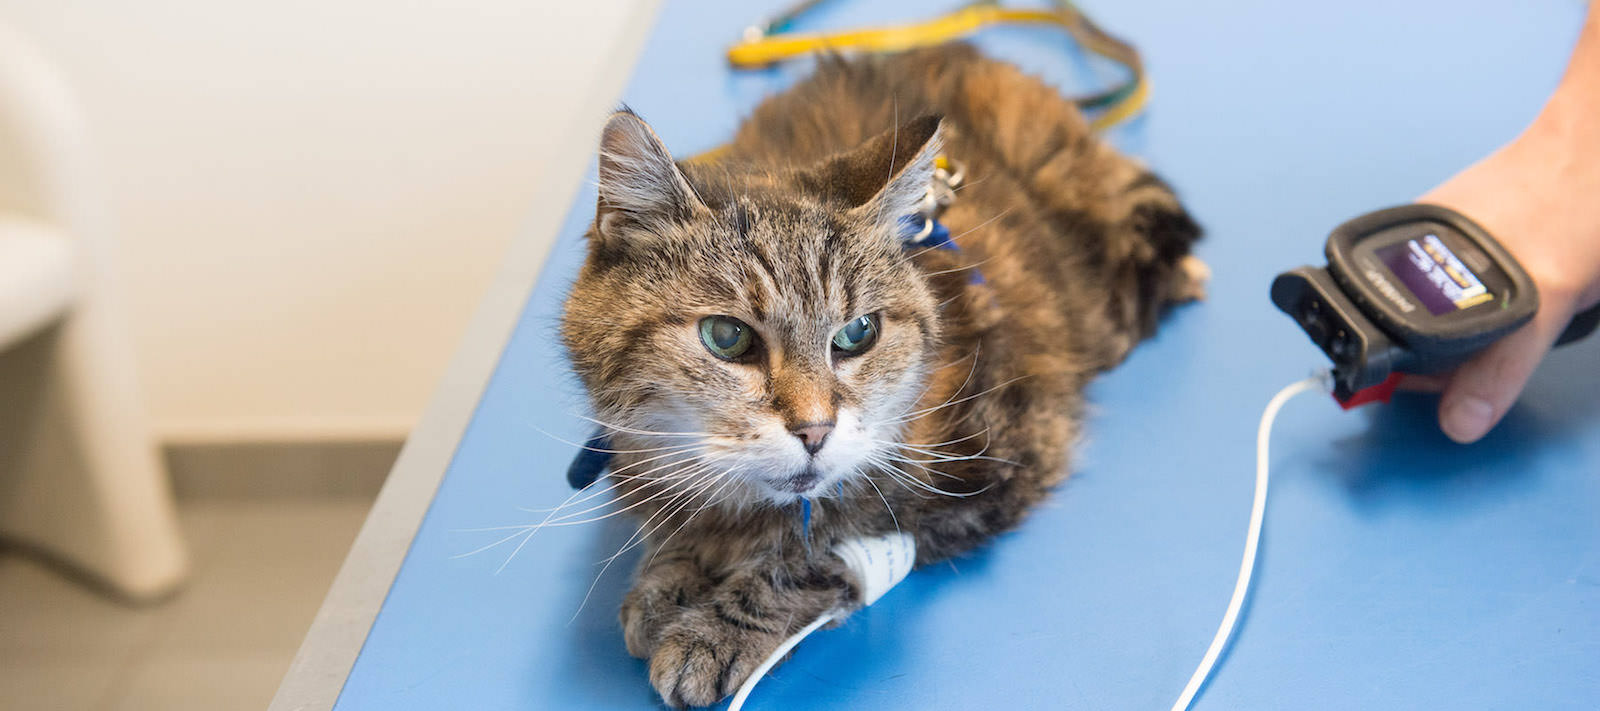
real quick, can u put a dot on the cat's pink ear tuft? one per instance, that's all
(641, 187)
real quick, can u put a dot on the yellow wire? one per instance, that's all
(962, 22)
(772, 48)
(1124, 109)
(768, 49)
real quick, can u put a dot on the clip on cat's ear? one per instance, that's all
(641, 187)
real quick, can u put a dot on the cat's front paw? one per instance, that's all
(663, 591)
(701, 659)
(638, 627)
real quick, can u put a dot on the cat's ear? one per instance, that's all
(888, 175)
(641, 188)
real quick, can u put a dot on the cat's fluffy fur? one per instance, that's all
(950, 428)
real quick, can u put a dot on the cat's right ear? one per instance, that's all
(887, 177)
(641, 187)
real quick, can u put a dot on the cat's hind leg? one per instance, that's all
(1191, 280)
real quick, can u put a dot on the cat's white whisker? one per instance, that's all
(922, 464)
(964, 233)
(603, 450)
(919, 414)
(937, 456)
(565, 520)
(644, 476)
(879, 464)
(521, 530)
(640, 535)
(894, 148)
(711, 501)
(971, 370)
(637, 431)
(907, 477)
(932, 451)
(969, 457)
(550, 521)
(515, 551)
(968, 183)
(945, 443)
(953, 270)
(897, 480)
(674, 491)
(885, 500)
(711, 485)
(925, 486)
(976, 350)
(481, 529)
(619, 470)
(617, 480)
(684, 495)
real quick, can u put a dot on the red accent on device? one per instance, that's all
(1382, 392)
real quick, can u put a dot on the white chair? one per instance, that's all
(80, 478)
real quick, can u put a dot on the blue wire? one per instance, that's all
(805, 521)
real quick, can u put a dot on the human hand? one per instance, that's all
(1536, 196)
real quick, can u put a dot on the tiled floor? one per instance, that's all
(261, 568)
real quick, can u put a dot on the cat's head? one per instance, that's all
(765, 328)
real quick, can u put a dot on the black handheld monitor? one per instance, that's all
(1410, 289)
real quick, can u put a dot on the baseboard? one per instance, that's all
(287, 469)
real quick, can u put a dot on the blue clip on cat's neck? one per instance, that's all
(591, 462)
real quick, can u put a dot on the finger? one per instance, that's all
(1484, 388)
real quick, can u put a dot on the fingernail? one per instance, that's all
(1467, 419)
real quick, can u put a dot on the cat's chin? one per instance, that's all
(804, 485)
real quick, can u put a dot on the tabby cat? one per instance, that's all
(754, 330)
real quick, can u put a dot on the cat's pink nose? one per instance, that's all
(812, 434)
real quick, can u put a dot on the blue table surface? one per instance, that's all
(1399, 570)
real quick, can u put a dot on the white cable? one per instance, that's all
(1251, 540)
(879, 562)
(766, 666)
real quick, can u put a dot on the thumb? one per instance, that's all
(1484, 388)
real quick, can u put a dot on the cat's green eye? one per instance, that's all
(857, 336)
(726, 337)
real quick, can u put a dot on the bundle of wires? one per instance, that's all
(773, 41)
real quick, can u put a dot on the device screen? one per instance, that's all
(1433, 273)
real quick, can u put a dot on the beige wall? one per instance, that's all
(311, 196)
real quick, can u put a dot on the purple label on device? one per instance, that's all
(1434, 275)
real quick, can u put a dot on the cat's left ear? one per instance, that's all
(641, 187)
(888, 176)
